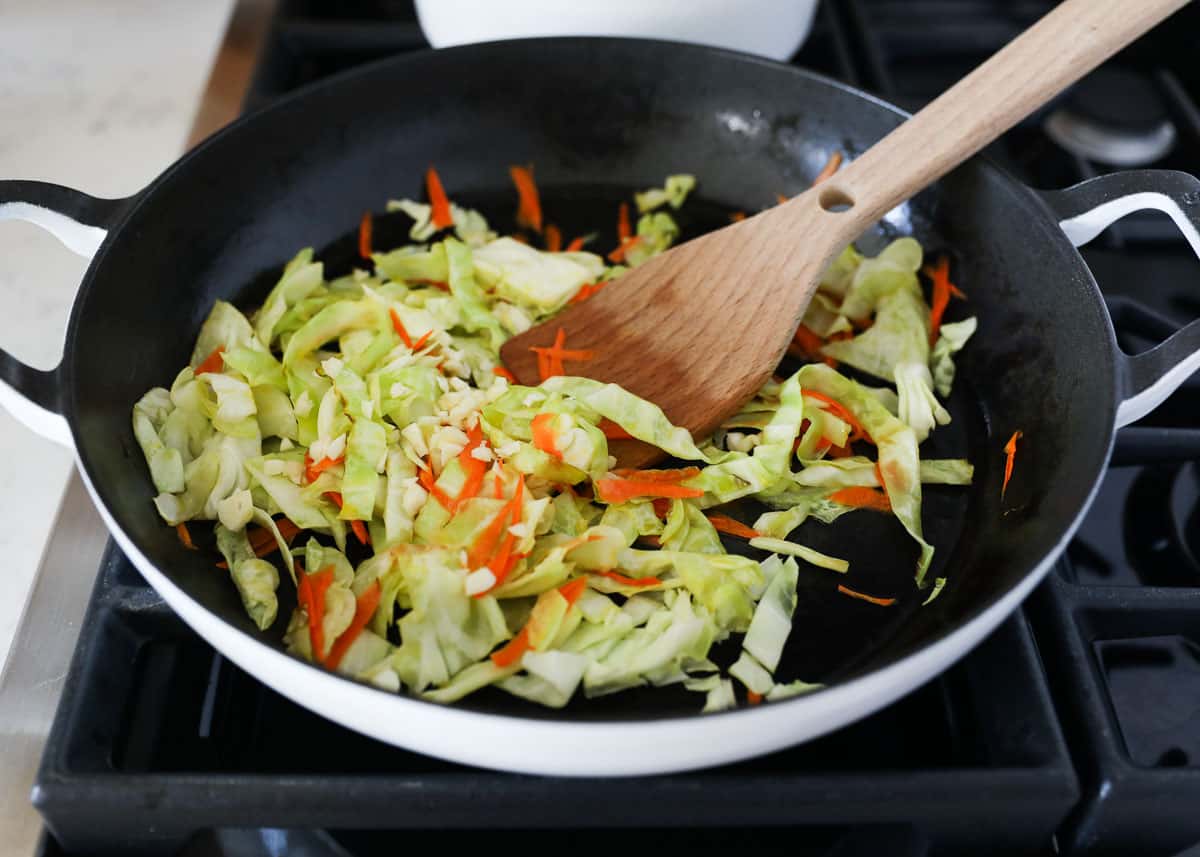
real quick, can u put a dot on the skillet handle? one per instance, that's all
(81, 223)
(1086, 210)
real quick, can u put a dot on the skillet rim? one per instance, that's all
(1055, 239)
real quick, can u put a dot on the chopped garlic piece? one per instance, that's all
(368, 407)
(274, 467)
(304, 405)
(332, 366)
(480, 581)
(337, 447)
(481, 453)
(414, 498)
(520, 531)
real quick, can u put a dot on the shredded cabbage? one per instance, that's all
(457, 533)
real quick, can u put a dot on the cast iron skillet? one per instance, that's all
(600, 118)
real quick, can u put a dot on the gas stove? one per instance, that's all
(1074, 729)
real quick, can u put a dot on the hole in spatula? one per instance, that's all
(835, 199)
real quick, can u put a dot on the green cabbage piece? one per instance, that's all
(772, 622)
(256, 579)
(673, 192)
(150, 415)
(301, 277)
(951, 339)
(532, 278)
(805, 553)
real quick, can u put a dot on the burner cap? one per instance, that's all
(1114, 115)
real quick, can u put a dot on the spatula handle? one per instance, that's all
(1059, 49)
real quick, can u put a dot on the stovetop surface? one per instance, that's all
(1075, 728)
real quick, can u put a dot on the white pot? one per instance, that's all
(769, 28)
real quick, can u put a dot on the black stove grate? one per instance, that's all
(1075, 734)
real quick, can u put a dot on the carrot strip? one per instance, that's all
(429, 483)
(529, 206)
(862, 498)
(185, 537)
(419, 344)
(552, 364)
(780, 198)
(543, 435)
(624, 231)
(675, 475)
(360, 532)
(882, 602)
(626, 245)
(573, 589)
(553, 236)
(486, 543)
(737, 217)
(214, 362)
(440, 205)
(753, 698)
(513, 650)
(620, 490)
(474, 469)
(939, 273)
(838, 410)
(364, 609)
(262, 540)
(1010, 455)
(576, 245)
(501, 372)
(399, 327)
(831, 167)
(629, 581)
(313, 469)
(318, 585)
(726, 524)
(585, 292)
(364, 236)
(612, 431)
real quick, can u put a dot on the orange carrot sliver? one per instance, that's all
(620, 490)
(586, 291)
(543, 435)
(214, 362)
(364, 609)
(939, 273)
(753, 698)
(553, 236)
(624, 231)
(317, 585)
(862, 498)
(831, 167)
(513, 650)
(838, 410)
(360, 532)
(576, 245)
(882, 602)
(675, 475)
(737, 217)
(662, 506)
(726, 524)
(399, 327)
(529, 206)
(626, 245)
(440, 205)
(420, 343)
(364, 236)
(629, 581)
(501, 372)
(806, 339)
(1010, 455)
(429, 483)
(185, 537)
(573, 589)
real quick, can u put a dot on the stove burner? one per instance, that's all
(1115, 116)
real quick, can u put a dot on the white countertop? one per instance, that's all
(100, 97)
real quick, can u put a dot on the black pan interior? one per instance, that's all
(599, 119)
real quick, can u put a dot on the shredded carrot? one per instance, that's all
(1010, 455)
(399, 327)
(317, 585)
(939, 273)
(840, 451)
(487, 542)
(502, 561)
(823, 446)
(624, 231)
(262, 540)
(336, 498)
(737, 217)
(831, 167)
(780, 198)
(728, 525)
(313, 469)
(364, 235)
(437, 284)
(442, 217)
(552, 364)
(474, 469)
(675, 475)
(553, 236)
(360, 532)
(753, 698)
(513, 650)
(576, 245)
(573, 589)
(838, 410)
(586, 291)
(662, 506)
(612, 431)
(620, 490)
(629, 581)
(504, 373)
(429, 483)
(627, 244)
(807, 343)
(214, 362)
(420, 343)
(543, 435)
(529, 206)
(882, 602)
(364, 609)
(184, 536)
(862, 498)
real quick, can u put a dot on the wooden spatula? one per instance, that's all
(700, 328)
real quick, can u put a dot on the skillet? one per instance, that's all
(600, 118)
